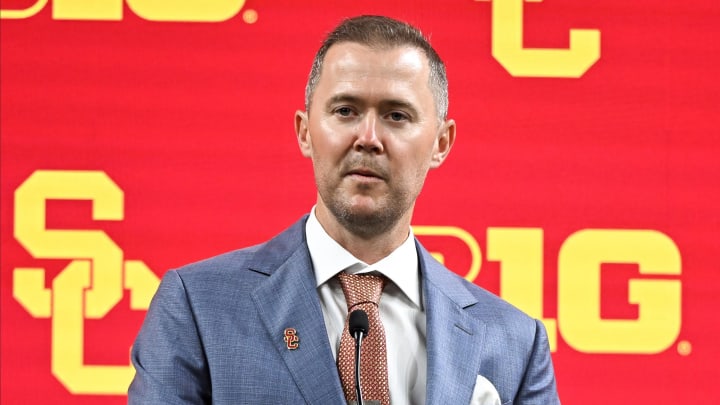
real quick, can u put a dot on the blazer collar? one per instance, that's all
(454, 337)
(288, 299)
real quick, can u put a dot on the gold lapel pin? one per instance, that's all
(291, 338)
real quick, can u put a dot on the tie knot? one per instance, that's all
(361, 288)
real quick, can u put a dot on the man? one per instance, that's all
(264, 325)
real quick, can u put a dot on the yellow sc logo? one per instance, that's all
(96, 276)
(508, 49)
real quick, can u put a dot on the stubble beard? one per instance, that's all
(367, 224)
(363, 222)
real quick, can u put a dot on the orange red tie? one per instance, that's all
(363, 291)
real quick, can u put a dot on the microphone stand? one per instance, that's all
(358, 389)
(358, 327)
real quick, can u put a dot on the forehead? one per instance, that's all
(350, 66)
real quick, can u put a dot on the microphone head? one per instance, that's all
(358, 322)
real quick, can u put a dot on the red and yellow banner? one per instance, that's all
(584, 187)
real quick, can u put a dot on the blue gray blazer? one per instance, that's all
(214, 333)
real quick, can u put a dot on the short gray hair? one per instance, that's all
(383, 32)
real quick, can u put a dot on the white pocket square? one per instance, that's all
(484, 393)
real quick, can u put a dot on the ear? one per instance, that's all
(445, 141)
(303, 135)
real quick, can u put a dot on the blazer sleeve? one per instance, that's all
(538, 386)
(168, 356)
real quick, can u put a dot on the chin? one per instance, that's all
(367, 220)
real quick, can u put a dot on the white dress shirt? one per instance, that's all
(401, 308)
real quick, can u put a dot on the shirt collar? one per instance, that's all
(329, 258)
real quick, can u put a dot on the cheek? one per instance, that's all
(325, 160)
(422, 161)
(415, 154)
(328, 142)
(412, 170)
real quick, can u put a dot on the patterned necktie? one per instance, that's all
(362, 291)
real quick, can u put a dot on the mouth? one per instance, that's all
(364, 173)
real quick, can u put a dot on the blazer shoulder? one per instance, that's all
(490, 304)
(262, 258)
(475, 300)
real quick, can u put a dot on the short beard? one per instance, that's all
(366, 226)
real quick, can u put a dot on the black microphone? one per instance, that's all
(358, 327)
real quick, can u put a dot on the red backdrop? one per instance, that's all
(584, 184)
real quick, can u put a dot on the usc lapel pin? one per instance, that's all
(292, 341)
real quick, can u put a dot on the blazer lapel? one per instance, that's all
(454, 338)
(288, 299)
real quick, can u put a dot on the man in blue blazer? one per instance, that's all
(260, 325)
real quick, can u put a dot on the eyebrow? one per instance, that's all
(400, 104)
(342, 98)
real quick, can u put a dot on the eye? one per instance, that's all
(344, 111)
(398, 116)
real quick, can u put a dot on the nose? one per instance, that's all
(367, 139)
